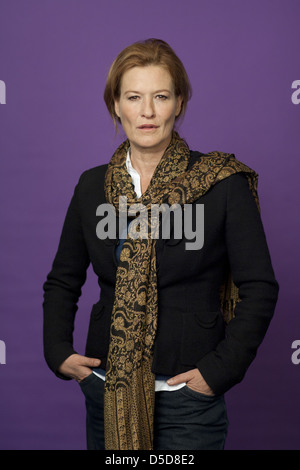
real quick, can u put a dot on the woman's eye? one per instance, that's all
(159, 97)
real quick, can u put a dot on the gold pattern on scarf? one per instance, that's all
(130, 384)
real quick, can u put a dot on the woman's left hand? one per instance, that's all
(193, 380)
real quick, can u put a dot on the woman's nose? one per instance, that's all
(148, 108)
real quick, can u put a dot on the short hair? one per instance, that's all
(142, 54)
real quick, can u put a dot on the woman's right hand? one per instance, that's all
(78, 367)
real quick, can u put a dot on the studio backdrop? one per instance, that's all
(243, 62)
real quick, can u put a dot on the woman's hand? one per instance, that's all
(193, 380)
(78, 367)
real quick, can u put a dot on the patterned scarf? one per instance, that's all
(130, 383)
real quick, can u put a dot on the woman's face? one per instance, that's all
(147, 107)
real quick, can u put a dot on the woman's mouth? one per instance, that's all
(147, 127)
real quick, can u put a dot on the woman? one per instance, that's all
(177, 325)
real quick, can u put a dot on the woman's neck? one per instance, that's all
(145, 164)
(145, 161)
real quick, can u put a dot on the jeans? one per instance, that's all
(184, 419)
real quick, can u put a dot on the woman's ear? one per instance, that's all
(117, 109)
(179, 105)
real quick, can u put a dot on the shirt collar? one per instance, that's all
(129, 166)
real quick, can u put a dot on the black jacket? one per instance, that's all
(191, 331)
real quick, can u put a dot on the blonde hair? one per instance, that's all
(143, 54)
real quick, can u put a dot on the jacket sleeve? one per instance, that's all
(62, 288)
(253, 274)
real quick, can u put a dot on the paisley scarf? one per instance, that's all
(130, 383)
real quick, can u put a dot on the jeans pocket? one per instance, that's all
(92, 387)
(86, 379)
(186, 390)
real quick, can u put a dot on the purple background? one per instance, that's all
(242, 58)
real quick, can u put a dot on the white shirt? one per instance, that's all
(135, 176)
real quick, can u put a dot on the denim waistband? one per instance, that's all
(164, 378)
